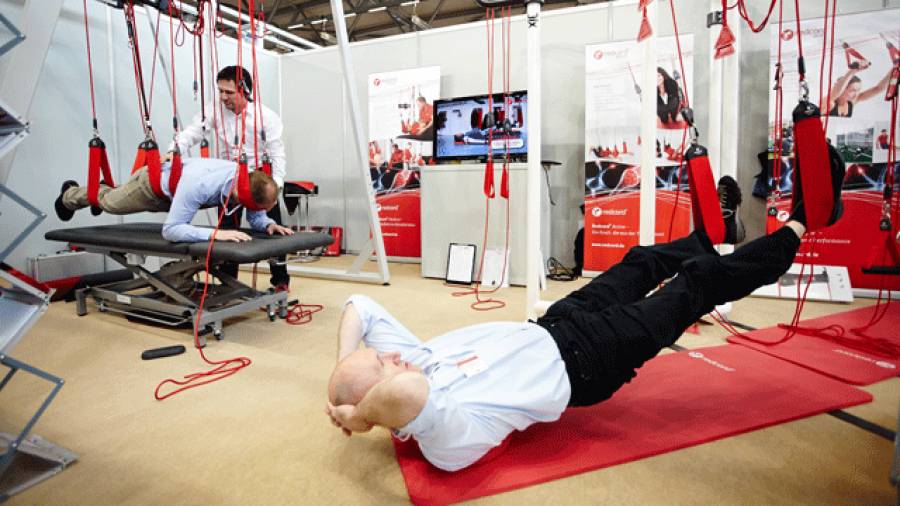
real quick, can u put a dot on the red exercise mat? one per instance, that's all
(677, 400)
(830, 358)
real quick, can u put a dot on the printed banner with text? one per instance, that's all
(612, 147)
(857, 118)
(400, 143)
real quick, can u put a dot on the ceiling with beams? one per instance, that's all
(370, 19)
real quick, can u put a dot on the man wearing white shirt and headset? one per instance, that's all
(235, 86)
(462, 393)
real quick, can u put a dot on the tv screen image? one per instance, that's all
(463, 130)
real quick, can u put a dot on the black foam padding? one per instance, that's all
(147, 238)
(132, 236)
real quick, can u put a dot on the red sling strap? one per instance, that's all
(813, 165)
(504, 180)
(97, 163)
(148, 155)
(266, 165)
(489, 177)
(175, 169)
(245, 195)
(704, 197)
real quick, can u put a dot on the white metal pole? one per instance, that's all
(713, 132)
(648, 134)
(533, 194)
(337, 10)
(731, 82)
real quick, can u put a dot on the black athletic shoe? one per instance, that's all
(838, 170)
(63, 212)
(729, 201)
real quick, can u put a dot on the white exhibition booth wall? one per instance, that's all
(60, 115)
(319, 136)
(308, 88)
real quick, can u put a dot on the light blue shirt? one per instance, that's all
(205, 182)
(468, 412)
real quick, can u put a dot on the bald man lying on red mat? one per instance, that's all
(462, 393)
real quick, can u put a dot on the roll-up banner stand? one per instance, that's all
(612, 147)
(400, 143)
(858, 121)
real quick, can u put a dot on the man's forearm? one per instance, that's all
(349, 332)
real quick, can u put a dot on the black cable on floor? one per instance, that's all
(866, 425)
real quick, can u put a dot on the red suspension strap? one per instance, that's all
(811, 156)
(686, 106)
(97, 160)
(725, 43)
(264, 163)
(148, 151)
(645, 29)
(175, 167)
(704, 197)
(222, 368)
(494, 119)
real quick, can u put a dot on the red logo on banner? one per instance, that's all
(598, 54)
(787, 34)
(377, 81)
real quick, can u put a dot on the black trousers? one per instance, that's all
(278, 270)
(609, 327)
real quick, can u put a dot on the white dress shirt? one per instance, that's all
(193, 134)
(484, 382)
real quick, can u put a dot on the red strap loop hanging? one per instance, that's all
(175, 168)
(813, 166)
(704, 197)
(504, 181)
(148, 156)
(98, 163)
(489, 177)
(645, 30)
(725, 42)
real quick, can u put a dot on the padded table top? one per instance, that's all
(147, 238)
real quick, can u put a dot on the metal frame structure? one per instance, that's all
(376, 241)
(17, 36)
(23, 303)
(54, 458)
(159, 301)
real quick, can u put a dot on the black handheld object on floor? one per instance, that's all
(167, 351)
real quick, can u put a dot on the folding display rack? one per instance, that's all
(25, 459)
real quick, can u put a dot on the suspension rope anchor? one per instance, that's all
(779, 74)
(804, 91)
(688, 114)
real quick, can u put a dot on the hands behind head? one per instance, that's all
(348, 418)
